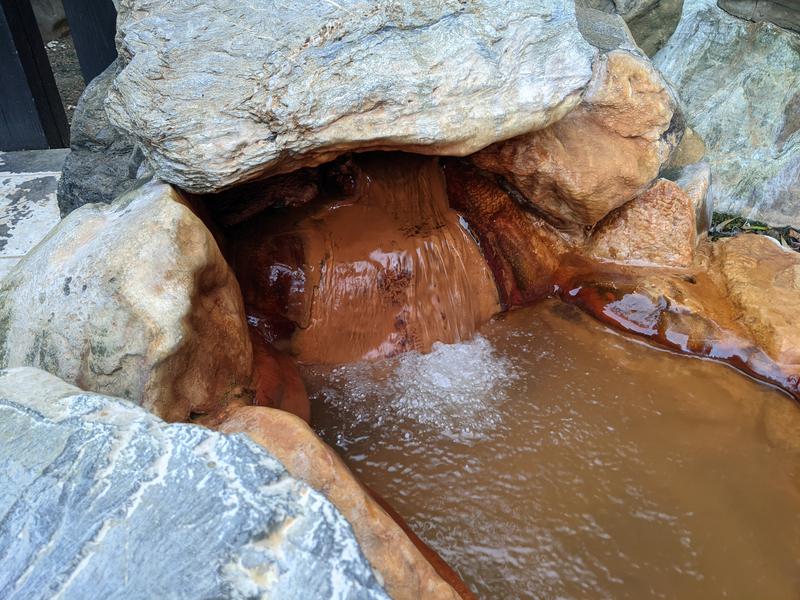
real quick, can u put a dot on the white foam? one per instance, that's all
(456, 389)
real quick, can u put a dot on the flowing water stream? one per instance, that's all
(553, 458)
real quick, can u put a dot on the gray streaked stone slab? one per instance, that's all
(101, 499)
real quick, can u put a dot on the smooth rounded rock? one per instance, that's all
(132, 299)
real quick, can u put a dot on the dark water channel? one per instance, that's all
(552, 458)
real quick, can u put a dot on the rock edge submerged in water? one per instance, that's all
(406, 573)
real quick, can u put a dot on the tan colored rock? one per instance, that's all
(763, 283)
(602, 154)
(690, 150)
(695, 180)
(739, 303)
(132, 299)
(403, 570)
(657, 228)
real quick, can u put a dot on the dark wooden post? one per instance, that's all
(31, 112)
(93, 24)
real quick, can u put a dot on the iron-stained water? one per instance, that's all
(552, 458)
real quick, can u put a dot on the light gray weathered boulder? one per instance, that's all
(101, 499)
(740, 85)
(221, 91)
(784, 13)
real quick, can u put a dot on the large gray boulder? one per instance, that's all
(132, 299)
(222, 91)
(740, 84)
(101, 499)
(784, 13)
(102, 162)
(651, 22)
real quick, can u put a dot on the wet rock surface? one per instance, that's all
(739, 83)
(603, 153)
(263, 88)
(521, 248)
(737, 303)
(763, 282)
(276, 380)
(406, 574)
(383, 267)
(102, 162)
(133, 299)
(100, 498)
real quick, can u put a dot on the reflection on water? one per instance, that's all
(551, 458)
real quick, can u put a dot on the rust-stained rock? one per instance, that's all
(738, 303)
(276, 381)
(656, 228)
(522, 249)
(403, 570)
(232, 207)
(603, 153)
(377, 270)
(763, 283)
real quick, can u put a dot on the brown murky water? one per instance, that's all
(552, 458)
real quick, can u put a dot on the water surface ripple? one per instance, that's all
(553, 458)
